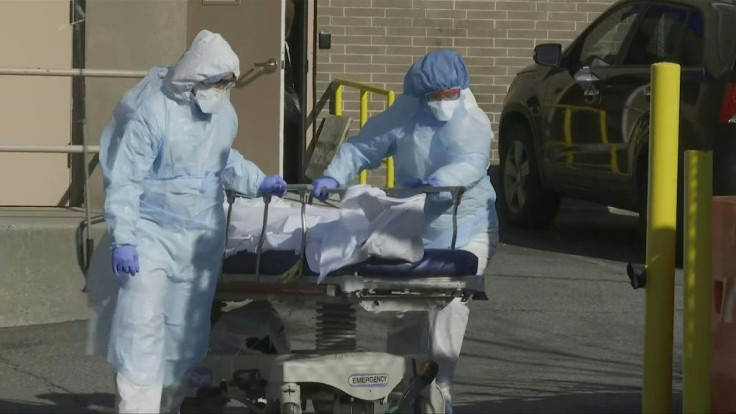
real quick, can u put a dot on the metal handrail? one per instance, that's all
(85, 73)
(85, 247)
(364, 89)
(363, 86)
(50, 149)
(71, 149)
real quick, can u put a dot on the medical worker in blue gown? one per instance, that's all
(166, 157)
(438, 136)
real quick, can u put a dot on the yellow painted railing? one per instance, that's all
(365, 89)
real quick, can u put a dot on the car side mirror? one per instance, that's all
(548, 54)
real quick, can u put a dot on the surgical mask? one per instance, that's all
(210, 100)
(443, 110)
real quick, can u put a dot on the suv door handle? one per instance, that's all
(591, 92)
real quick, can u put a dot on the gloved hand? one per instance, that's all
(125, 260)
(321, 185)
(273, 184)
(418, 182)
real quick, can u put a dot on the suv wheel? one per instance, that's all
(522, 199)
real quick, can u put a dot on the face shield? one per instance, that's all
(443, 103)
(210, 96)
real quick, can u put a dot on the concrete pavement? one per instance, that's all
(562, 332)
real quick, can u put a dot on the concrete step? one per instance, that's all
(40, 279)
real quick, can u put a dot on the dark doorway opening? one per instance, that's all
(295, 90)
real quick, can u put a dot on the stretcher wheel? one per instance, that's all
(203, 405)
(291, 408)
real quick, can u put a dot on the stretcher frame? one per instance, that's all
(351, 288)
(291, 377)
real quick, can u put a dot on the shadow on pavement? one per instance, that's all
(62, 403)
(596, 402)
(583, 229)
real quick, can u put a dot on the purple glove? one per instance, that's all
(125, 260)
(273, 184)
(418, 182)
(321, 185)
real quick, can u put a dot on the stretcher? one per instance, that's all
(335, 376)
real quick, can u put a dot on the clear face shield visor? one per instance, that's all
(211, 95)
(225, 83)
(443, 95)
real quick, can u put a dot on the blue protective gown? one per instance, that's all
(455, 153)
(165, 165)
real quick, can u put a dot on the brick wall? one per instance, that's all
(377, 40)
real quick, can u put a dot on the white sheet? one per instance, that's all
(368, 223)
(283, 231)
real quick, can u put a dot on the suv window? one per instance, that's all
(668, 34)
(603, 43)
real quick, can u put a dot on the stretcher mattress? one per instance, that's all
(436, 262)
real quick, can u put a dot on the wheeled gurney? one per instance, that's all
(334, 376)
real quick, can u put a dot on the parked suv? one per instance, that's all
(576, 123)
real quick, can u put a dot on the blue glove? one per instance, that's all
(125, 260)
(321, 185)
(418, 182)
(273, 184)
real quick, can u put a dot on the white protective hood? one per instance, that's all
(209, 57)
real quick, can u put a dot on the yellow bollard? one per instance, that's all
(698, 294)
(660, 245)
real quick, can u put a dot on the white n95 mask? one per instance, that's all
(443, 110)
(210, 100)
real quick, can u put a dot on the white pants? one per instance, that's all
(132, 398)
(229, 335)
(441, 332)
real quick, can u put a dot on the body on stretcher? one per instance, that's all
(335, 377)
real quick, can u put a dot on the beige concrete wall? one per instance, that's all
(35, 110)
(127, 34)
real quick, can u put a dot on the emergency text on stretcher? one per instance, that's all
(368, 380)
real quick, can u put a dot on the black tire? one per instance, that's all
(522, 200)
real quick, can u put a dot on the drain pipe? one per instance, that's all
(80, 109)
(89, 242)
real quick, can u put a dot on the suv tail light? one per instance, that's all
(728, 106)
